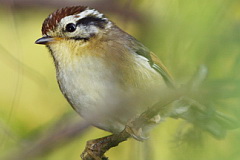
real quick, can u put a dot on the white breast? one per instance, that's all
(94, 90)
(86, 83)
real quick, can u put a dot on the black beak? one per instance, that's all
(44, 40)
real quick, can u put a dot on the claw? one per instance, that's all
(135, 133)
(140, 133)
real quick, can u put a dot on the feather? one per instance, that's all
(156, 64)
(53, 19)
(160, 68)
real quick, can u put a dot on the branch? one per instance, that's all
(95, 149)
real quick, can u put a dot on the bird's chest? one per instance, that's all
(88, 84)
(96, 87)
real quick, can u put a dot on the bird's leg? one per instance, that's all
(96, 148)
(139, 132)
(136, 133)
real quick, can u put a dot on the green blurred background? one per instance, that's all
(184, 34)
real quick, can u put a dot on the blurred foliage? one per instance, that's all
(184, 34)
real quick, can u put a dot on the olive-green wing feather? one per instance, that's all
(156, 64)
(160, 68)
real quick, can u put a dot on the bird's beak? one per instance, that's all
(45, 40)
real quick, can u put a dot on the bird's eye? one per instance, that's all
(70, 27)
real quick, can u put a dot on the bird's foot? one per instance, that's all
(135, 132)
(139, 133)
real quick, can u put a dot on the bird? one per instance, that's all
(108, 76)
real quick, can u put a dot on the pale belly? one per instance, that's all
(98, 94)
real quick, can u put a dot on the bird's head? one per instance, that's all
(74, 30)
(77, 23)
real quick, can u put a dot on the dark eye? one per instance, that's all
(70, 27)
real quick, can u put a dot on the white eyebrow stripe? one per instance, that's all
(88, 12)
(83, 14)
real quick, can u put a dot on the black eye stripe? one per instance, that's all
(99, 22)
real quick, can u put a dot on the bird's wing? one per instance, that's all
(156, 64)
(160, 68)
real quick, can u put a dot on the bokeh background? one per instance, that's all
(37, 123)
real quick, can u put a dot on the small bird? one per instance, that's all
(106, 75)
(109, 77)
